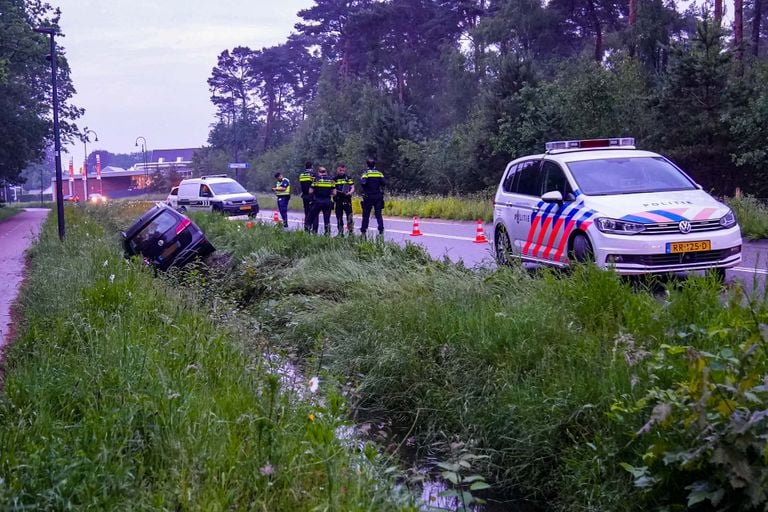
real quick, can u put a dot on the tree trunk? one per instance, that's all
(738, 32)
(757, 7)
(598, 31)
(718, 11)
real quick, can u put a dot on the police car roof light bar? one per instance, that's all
(590, 143)
(213, 176)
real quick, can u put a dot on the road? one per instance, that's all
(456, 240)
(16, 235)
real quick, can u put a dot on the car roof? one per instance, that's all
(579, 155)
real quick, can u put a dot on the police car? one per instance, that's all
(605, 201)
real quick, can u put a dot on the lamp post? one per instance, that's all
(144, 157)
(86, 140)
(52, 33)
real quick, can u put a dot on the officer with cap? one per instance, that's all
(282, 190)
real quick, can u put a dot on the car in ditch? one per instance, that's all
(604, 201)
(165, 238)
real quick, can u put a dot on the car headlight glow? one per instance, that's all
(619, 227)
(728, 220)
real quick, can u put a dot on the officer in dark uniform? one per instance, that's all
(372, 184)
(305, 182)
(323, 189)
(345, 187)
(282, 190)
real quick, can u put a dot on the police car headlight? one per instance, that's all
(619, 227)
(728, 220)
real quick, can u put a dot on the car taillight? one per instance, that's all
(183, 225)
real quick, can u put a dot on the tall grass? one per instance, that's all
(752, 215)
(121, 393)
(521, 369)
(470, 207)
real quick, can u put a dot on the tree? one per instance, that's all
(25, 91)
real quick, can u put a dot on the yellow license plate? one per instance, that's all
(697, 246)
(245, 207)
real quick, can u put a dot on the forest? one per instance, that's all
(443, 93)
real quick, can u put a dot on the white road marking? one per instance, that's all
(750, 270)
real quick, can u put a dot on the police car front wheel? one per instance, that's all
(581, 249)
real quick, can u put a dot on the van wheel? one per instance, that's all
(217, 209)
(581, 249)
(503, 247)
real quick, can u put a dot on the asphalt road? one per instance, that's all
(16, 235)
(456, 240)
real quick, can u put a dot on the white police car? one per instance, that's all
(605, 201)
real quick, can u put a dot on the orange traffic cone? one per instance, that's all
(415, 231)
(276, 218)
(249, 224)
(480, 236)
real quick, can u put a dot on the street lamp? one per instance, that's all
(144, 157)
(52, 33)
(86, 140)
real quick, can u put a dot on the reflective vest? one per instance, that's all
(284, 184)
(305, 180)
(372, 183)
(323, 186)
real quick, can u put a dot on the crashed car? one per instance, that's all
(165, 238)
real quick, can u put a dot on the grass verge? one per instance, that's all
(121, 393)
(6, 212)
(752, 215)
(472, 207)
(547, 381)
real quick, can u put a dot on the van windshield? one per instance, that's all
(229, 187)
(610, 176)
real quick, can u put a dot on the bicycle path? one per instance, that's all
(16, 235)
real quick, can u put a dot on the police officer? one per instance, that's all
(282, 190)
(345, 187)
(372, 184)
(305, 182)
(323, 189)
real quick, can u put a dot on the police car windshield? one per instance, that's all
(229, 187)
(609, 176)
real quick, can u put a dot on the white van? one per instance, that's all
(217, 193)
(605, 201)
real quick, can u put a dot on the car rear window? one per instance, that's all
(155, 228)
(610, 176)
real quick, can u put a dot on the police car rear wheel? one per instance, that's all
(581, 249)
(503, 247)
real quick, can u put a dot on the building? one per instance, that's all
(116, 182)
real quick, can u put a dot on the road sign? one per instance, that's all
(240, 165)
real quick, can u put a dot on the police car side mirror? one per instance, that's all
(553, 197)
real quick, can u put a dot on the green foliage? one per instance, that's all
(704, 441)
(7, 212)
(123, 392)
(752, 215)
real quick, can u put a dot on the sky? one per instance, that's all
(140, 67)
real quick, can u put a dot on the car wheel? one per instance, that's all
(503, 247)
(182, 209)
(581, 249)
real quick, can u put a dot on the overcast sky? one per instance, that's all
(141, 67)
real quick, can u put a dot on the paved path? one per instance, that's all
(16, 235)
